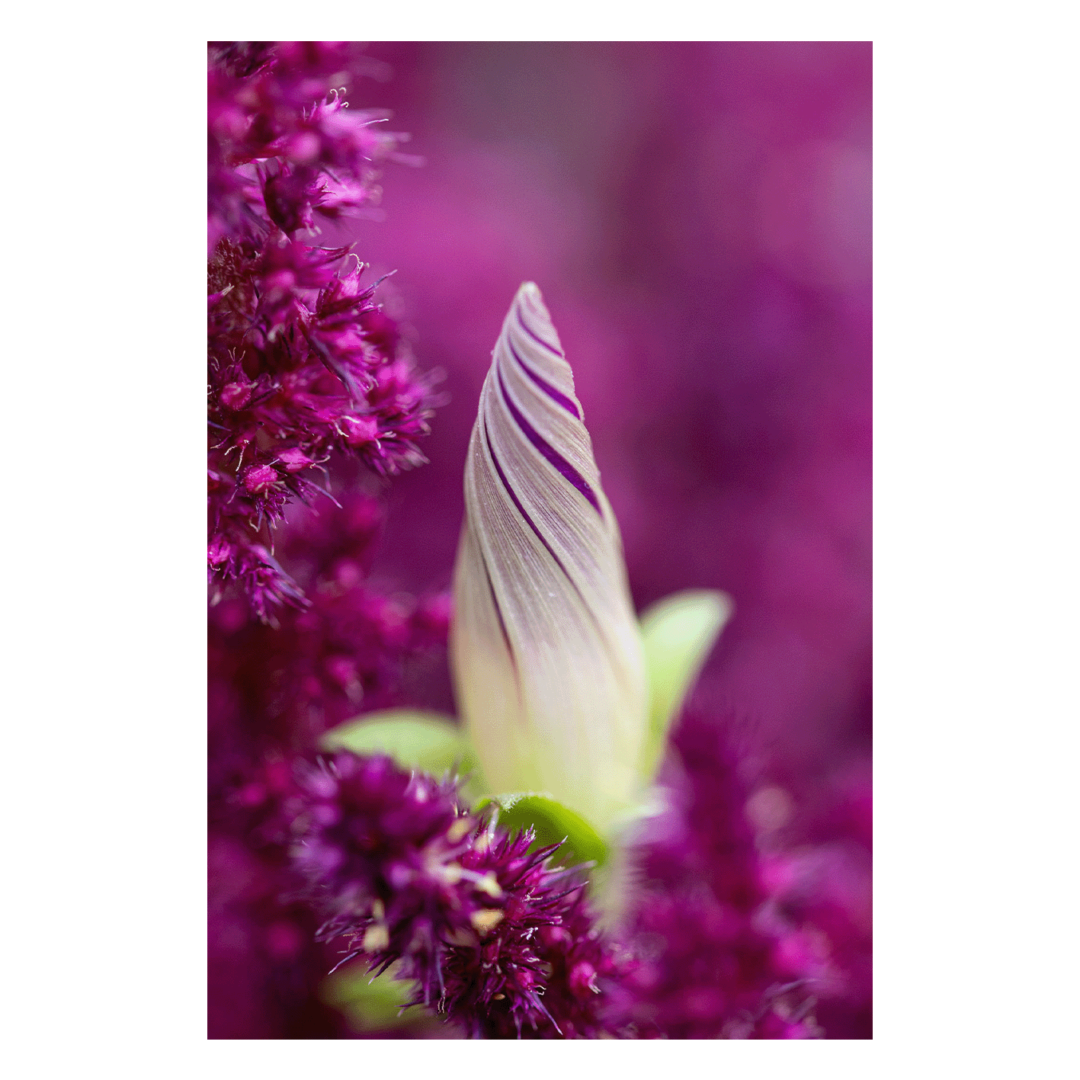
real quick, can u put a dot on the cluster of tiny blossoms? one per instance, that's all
(302, 361)
(489, 933)
(706, 967)
(278, 688)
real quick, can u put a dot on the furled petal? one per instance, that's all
(545, 648)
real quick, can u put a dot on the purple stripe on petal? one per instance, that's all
(549, 452)
(536, 337)
(544, 385)
(532, 524)
(521, 509)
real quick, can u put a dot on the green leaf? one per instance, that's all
(553, 823)
(415, 739)
(677, 632)
(368, 1005)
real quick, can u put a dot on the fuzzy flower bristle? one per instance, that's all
(487, 931)
(303, 362)
(381, 851)
(543, 969)
(706, 967)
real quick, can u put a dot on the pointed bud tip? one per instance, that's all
(529, 296)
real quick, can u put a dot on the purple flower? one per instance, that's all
(490, 933)
(281, 686)
(707, 967)
(543, 969)
(276, 121)
(303, 364)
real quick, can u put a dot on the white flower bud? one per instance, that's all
(545, 649)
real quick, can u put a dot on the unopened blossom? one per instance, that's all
(545, 647)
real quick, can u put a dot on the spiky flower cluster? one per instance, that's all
(706, 967)
(490, 933)
(280, 687)
(302, 360)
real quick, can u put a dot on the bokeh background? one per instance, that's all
(698, 217)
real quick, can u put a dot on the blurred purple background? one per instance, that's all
(698, 217)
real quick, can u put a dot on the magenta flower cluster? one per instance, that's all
(489, 932)
(302, 360)
(280, 687)
(310, 387)
(706, 967)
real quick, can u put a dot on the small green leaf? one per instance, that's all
(677, 632)
(368, 1005)
(553, 823)
(415, 739)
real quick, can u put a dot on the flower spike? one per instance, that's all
(546, 651)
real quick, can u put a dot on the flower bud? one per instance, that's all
(545, 648)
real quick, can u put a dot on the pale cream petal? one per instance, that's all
(545, 648)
